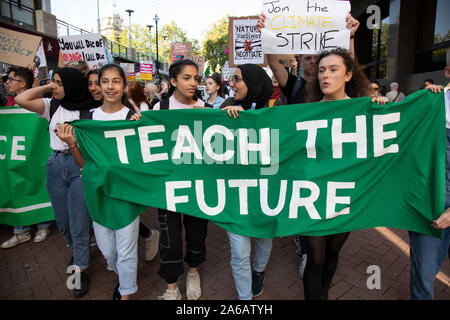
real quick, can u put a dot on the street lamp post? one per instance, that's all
(156, 19)
(98, 17)
(129, 13)
(164, 38)
(150, 40)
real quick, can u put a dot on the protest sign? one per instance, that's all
(200, 61)
(24, 151)
(305, 27)
(87, 47)
(227, 72)
(129, 70)
(18, 48)
(182, 50)
(146, 70)
(312, 169)
(244, 41)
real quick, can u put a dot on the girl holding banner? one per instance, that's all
(65, 188)
(253, 89)
(338, 76)
(184, 81)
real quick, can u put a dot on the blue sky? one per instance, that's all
(194, 16)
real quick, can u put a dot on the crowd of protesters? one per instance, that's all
(78, 93)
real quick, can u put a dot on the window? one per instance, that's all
(432, 46)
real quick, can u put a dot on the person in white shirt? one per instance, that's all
(120, 247)
(395, 95)
(184, 80)
(65, 188)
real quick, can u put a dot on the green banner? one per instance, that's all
(312, 169)
(24, 151)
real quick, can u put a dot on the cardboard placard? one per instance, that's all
(244, 42)
(87, 47)
(182, 50)
(17, 48)
(305, 27)
(200, 61)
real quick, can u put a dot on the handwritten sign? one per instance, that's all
(182, 50)
(245, 40)
(305, 27)
(17, 48)
(200, 61)
(129, 70)
(87, 47)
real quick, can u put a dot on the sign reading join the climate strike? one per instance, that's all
(305, 27)
(87, 47)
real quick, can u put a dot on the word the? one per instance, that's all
(15, 148)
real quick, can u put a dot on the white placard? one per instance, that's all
(87, 47)
(247, 42)
(305, 26)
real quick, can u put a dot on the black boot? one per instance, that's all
(116, 293)
(84, 286)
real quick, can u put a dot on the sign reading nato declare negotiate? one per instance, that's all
(305, 27)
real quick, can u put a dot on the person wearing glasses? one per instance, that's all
(253, 90)
(374, 89)
(19, 80)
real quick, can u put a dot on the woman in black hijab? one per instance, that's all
(71, 99)
(252, 89)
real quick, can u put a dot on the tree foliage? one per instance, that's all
(215, 44)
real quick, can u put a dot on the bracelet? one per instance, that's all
(73, 146)
(352, 37)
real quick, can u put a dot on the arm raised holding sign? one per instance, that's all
(288, 82)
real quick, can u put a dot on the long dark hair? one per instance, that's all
(356, 87)
(217, 78)
(174, 70)
(117, 68)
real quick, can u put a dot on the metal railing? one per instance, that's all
(15, 12)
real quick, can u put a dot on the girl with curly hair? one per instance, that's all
(338, 76)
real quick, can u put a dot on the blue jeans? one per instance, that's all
(65, 190)
(241, 247)
(120, 248)
(27, 229)
(427, 256)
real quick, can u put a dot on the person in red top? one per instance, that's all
(19, 80)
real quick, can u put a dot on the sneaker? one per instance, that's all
(84, 286)
(193, 289)
(70, 270)
(151, 246)
(257, 283)
(302, 265)
(16, 239)
(41, 235)
(171, 295)
(93, 241)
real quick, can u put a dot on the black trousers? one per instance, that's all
(171, 243)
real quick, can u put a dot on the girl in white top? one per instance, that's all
(118, 246)
(64, 185)
(184, 80)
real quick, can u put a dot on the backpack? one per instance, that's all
(84, 114)
(164, 104)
